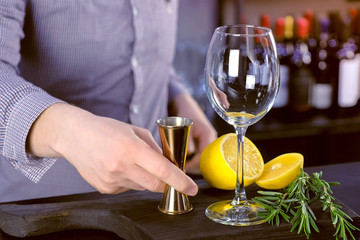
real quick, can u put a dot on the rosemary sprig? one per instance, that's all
(293, 205)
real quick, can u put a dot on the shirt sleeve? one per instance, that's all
(20, 101)
(176, 85)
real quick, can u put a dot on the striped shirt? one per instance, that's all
(112, 58)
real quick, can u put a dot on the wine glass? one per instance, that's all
(242, 81)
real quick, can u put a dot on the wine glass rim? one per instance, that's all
(265, 30)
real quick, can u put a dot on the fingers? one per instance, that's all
(146, 136)
(145, 180)
(131, 177)
(161, 168)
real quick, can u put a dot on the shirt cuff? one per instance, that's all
(20, 121)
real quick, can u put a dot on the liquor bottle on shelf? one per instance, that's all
(333, 45)
(347, 86)
(322, 89)
(355, 23)
(313, 36)
(265, 20)
(282, 98)
(301, 76)
(289, 34)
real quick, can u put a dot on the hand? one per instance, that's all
(110, 155)
(202, 132)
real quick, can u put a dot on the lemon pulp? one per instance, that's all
(281, 171)
(218, 162)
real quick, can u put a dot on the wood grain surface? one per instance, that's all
(134, 215)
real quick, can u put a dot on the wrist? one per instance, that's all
(53, 129)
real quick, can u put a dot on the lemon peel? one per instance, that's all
(281, 171)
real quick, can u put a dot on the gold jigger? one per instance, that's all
(174, 135)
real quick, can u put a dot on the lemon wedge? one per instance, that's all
(281, 171)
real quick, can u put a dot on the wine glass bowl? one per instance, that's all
(242, 72)
(242, 81)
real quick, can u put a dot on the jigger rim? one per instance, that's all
(174, 122)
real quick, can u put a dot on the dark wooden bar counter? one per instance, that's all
(134, 215)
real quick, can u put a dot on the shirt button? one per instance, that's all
(135, 11)
(135, 109)
(134, 62)
(169, 9)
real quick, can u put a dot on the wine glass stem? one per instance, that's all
(240, 194)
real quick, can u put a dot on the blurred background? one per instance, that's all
(317, 111)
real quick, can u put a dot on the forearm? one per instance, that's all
(202, 133)
(186, 106)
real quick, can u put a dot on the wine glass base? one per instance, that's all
(239, 215)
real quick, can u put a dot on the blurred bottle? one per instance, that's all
(313, 36)
(301, 76)
(289, 34)
(348, 76)
(322, 89)
(355, 23)
(282, 98)
(332, 48)
(265, 20)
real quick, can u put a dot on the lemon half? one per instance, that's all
(281, 171)
(218, 162)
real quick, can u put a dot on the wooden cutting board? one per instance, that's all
(134, 215)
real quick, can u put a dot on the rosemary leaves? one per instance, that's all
(293, 205)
